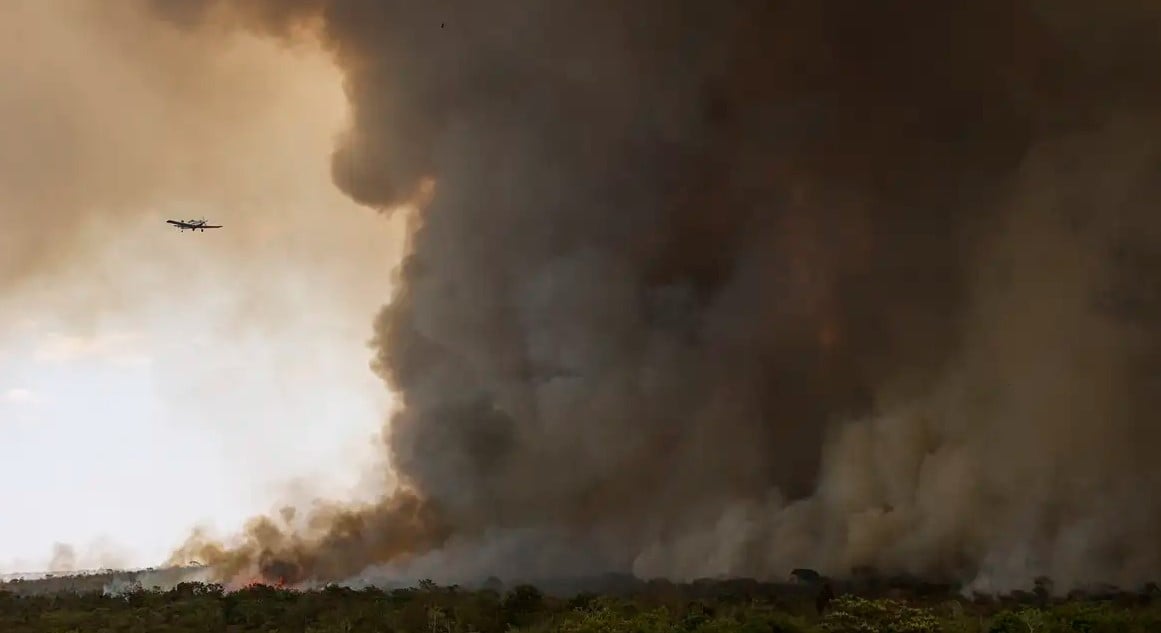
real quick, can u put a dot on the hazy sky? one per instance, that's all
(152, 380)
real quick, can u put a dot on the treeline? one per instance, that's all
(659, 607)
(96, 581)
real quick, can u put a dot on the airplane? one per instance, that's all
(193, 225)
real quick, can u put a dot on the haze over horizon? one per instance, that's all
(686, 288)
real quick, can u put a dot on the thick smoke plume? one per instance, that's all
(734, 287)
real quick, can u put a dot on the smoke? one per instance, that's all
(112, 123)
(736, 287)
(64, 558)
(101, 554)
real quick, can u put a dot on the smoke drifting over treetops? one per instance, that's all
(733, 287)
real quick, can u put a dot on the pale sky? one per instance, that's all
(152, 380)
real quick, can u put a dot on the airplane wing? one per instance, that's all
(193, 225)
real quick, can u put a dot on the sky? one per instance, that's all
(152, 381)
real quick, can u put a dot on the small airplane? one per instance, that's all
(193, 225)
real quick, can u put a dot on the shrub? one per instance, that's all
(851, 614)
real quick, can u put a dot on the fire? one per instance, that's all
(252, 581)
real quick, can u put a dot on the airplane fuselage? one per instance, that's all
(192, 225)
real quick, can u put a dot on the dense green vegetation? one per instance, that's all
(653, 608)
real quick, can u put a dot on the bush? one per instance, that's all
(851, 614)
(525, 609)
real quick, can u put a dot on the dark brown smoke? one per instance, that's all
(734, 287)
(335, 542)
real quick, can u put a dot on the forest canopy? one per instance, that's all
(656, 606)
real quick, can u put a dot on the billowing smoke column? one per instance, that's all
(732, 287)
